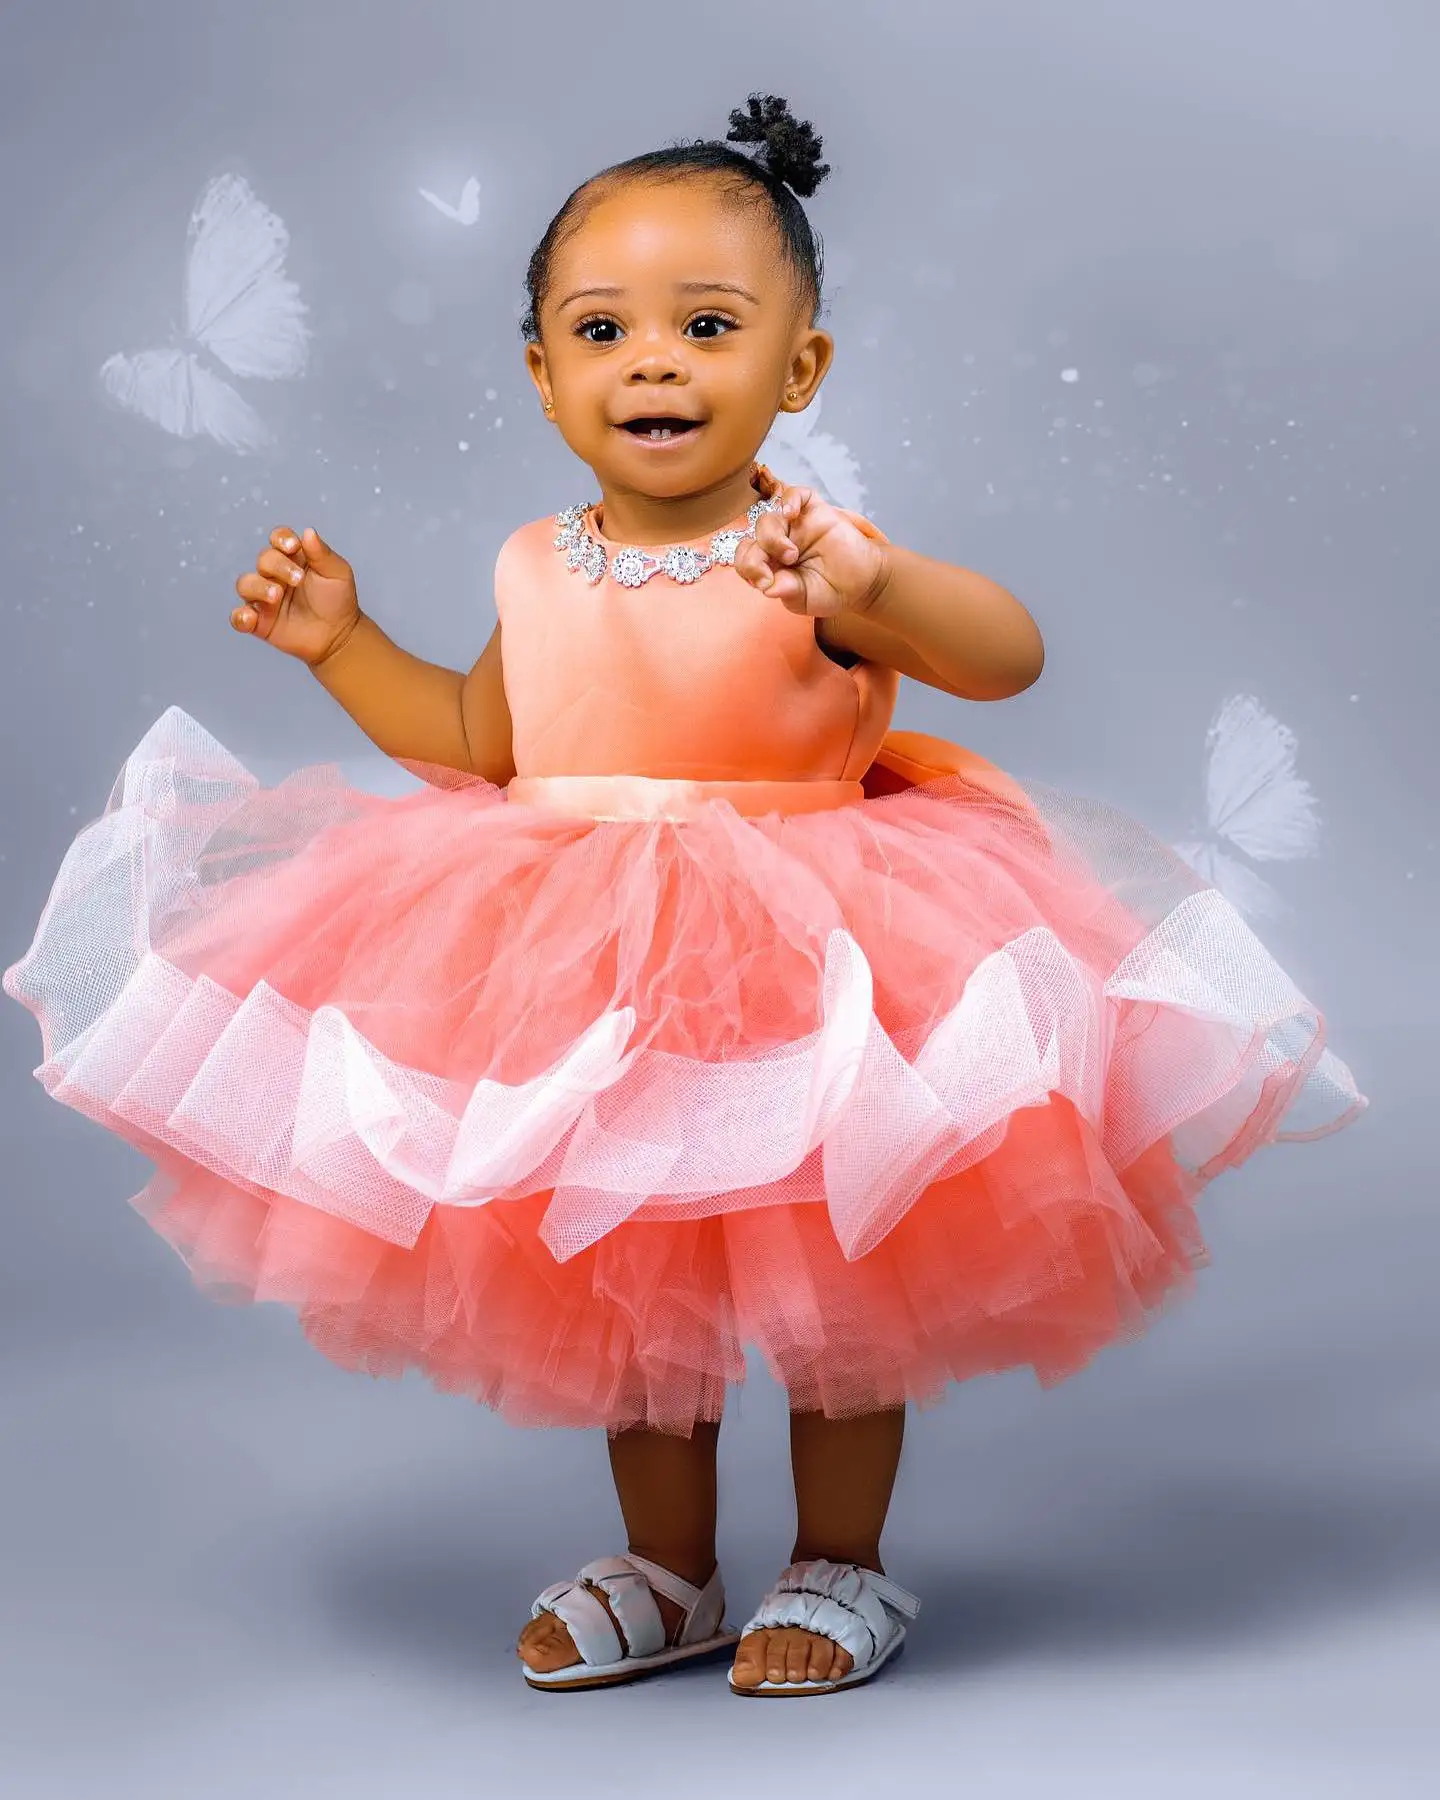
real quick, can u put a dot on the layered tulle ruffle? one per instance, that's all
(566, 1112)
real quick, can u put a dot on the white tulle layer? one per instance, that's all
(1195, 1034)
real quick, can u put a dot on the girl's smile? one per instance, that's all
(653, 431)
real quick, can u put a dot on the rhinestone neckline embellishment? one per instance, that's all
(632, 566)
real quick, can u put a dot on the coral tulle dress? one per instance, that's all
(735, 1020)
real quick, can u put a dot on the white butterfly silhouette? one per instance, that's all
(467, 212)
(1255, 802)
(800, 456)
(240, 307)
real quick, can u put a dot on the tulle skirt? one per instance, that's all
(566, 1111)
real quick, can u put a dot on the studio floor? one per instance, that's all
(1209, 1564)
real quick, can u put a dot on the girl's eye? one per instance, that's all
(586, 326)
(714, 319)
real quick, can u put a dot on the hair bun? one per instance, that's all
(790, 150)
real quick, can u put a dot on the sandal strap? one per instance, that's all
(629, 1584)
(585, 1618)
(664, 1582)
(631, 1601)
(895, 1597)
(704, 1608)
(855, 1608)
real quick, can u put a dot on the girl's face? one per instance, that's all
(672, 303)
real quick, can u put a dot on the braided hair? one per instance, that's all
(785, 169)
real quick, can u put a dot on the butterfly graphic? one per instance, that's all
(467, 212)
(1254, 803)
(802, 456)
(240, 308)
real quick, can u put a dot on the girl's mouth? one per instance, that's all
(659, 432)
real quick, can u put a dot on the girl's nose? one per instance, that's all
(656, 363)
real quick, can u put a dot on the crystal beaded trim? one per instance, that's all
(632, 567)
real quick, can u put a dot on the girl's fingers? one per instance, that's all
(259, 589)
(260, 599)
(752, 562)
(327, 563)
(278, 567)
(789, 590)
(784, 585)
(253, 616)
(772, 533)
(795, 503)
(278, 570)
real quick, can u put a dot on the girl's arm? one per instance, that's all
(417, 711)
(943, 625)
(485, 713)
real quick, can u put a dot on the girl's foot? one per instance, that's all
(824, 1625)
(788, 1655)
(546, 1646)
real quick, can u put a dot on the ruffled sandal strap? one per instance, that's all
(854, 1607)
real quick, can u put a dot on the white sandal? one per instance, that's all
(864, 1613)
(630, 1583)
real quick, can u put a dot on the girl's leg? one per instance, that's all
(667, 1492)
(844, 1477)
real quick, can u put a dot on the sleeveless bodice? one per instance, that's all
(710, 681)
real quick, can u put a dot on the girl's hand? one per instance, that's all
(812, 558)
(301, 597)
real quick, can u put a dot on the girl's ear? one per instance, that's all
(810, 361)
(535, 368)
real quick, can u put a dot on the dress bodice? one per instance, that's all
(706, 681)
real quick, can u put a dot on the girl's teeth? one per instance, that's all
(661, 432)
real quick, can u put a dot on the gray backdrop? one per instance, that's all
(1135, 306)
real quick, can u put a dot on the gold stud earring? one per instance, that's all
(792, 395)
(549, 406)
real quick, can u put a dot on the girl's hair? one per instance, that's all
(786, 164)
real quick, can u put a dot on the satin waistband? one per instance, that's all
(646, 797)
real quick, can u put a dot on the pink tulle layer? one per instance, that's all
(567, 1112)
